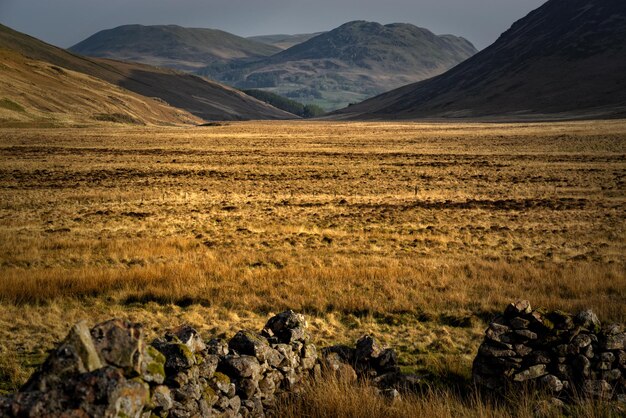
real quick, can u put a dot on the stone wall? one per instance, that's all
(568, 355)
(109, 371)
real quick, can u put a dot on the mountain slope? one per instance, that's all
(350, 63)
(568, 57)
(38, 93)
(284, 41)
(202, 98)
(171, 46)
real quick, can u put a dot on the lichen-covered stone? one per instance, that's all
(367, 348)
(615, 342)
(77, 354)
(532, 372)
(248, 343)
(161, 398)
(334, 364)
(80, 338)
(220, 382)
(289, 357)
(101, 393)
(218, 347)
(522, 350)
(153, 366)
(525, 333)
(491, 351)
(286, 327)
(519, 323)
(517, 308)
(187, 335)
(120, 343)
(309, 356)
(582, 340)
(178, 356)
(247, 388)
(208, 365)
(240, 367)
(499, 333)
(589, 320)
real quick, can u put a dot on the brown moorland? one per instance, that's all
(414, 232)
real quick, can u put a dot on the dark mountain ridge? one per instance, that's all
(567, 57)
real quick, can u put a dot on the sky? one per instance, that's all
(67, 22)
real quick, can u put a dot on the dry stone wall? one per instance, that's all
(568, 355)
(109, 371)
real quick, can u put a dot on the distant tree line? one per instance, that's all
(288, 105)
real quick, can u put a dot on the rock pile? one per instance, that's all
(109, 371)
(565, 354)
(370, 362)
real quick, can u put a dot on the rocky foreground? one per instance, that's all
(109, 370)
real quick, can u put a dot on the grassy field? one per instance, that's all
(416, 233)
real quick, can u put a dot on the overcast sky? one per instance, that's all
(66, 22)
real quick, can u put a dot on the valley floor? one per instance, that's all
(416, 233)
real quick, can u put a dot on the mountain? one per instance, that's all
(203, 98)
(355, 61)
(38, 93)
(284, 41)
(565, 59)
(171, 46)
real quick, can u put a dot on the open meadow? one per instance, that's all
(416, 233)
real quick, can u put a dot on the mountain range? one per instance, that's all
(39, 79)
(566, 59)
(172, 46)
(332, 69)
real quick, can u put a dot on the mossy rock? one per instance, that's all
(210, 395)
(177, 355)
(221, 378)
(154, 366)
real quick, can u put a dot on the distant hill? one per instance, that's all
(355, 61)
(171, 46)
(284, 41)
(204, 99)
(565, 59)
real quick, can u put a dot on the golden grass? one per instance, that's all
(417, 233)
(332, 398)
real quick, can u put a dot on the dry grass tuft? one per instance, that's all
(332, 398)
